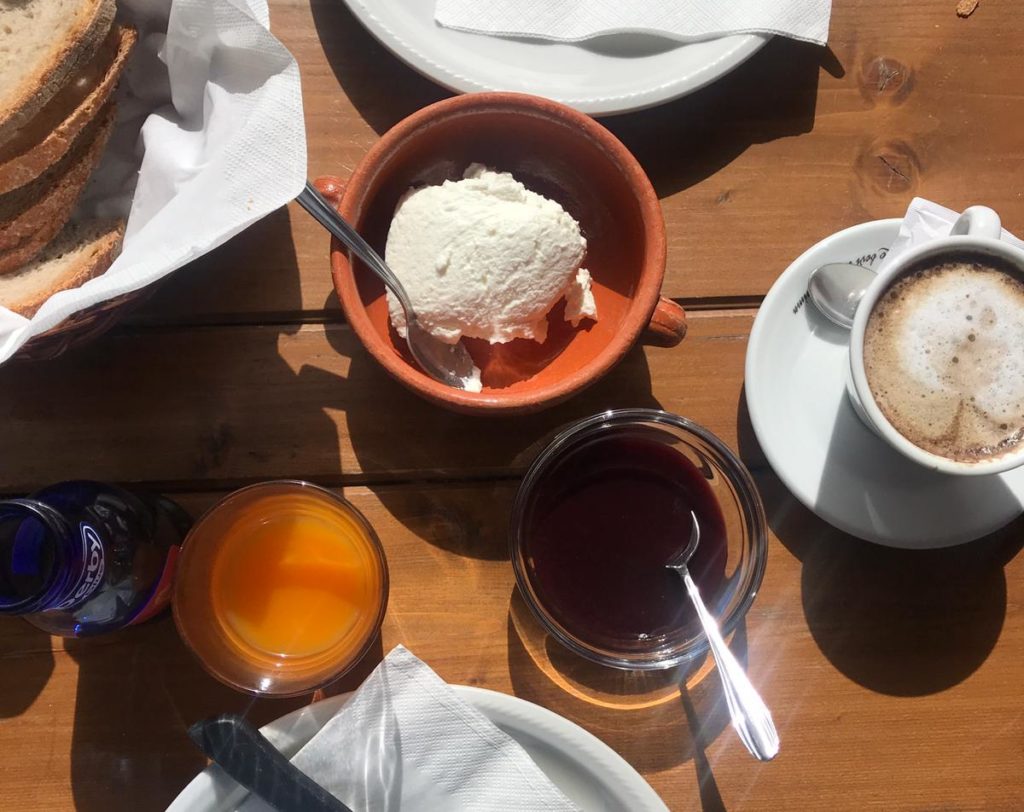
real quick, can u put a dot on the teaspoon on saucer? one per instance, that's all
(837, 288)
(448, 363)
(751, 718)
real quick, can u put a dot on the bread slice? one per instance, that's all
(79, 253)
(50, 135)
(31, 216)
(42, 44)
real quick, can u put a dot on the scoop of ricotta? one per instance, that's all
(484, 257)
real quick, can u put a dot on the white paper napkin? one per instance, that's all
(209, 138)
(926, 221)
(575, 20)
(405, 741)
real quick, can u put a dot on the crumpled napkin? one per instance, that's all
(575, 20)
(926, 221)
(210, 137)
(405, 741)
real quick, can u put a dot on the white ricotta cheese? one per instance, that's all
(484, 257)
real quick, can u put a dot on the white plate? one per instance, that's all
(589, 772)
(609, 75)
(796, 393)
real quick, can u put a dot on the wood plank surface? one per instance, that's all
(894, 677)
(230, 405)
(798, 142)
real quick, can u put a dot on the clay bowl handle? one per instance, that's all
(331, 187)
(667, 326)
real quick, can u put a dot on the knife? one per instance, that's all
(245, 754)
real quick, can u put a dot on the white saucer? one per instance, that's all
(796, 392)
(588, 771)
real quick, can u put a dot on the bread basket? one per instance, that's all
(185, 180)
(81, 327)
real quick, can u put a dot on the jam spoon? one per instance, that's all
(448, 363)
(751, 718)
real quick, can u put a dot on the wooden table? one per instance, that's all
(895, 677)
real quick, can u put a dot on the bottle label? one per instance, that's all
(93, 567)
(162, 592)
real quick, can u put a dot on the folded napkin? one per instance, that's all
(926, 221)
(406, 741)
(575, 20)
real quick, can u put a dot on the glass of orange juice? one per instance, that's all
(281, 588)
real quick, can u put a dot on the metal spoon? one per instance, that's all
(751, 718)
(448, 363)
(837, 288)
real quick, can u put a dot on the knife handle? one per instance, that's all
(244, 754)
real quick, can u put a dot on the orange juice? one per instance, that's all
(294, 583)
(282, 587)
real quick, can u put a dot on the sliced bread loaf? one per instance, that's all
(42, 44)
(79, 253)
(50, 135)
(31, 216)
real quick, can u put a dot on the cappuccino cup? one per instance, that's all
(937, 351)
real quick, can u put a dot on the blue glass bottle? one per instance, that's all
(84, 558)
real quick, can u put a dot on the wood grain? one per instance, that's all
(893, 676)
(795, 144)
(230, 405)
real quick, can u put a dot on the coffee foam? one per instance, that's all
(944, 357)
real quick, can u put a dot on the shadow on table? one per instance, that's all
(138, 692)
(900, 622)
(771, 95)
(680, 143)
(396, 434)
(654, 719)
(280, 428)
(748, 448)
(218, 405)
(29, 663)
(380, 85)
(237, 280)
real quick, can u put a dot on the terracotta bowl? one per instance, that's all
(557, 152)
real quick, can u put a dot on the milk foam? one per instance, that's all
(944, 356)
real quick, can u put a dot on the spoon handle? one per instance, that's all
(751, 718)
(325, 214)
(451, 364)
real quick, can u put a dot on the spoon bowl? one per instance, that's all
(836, 290)
(682, 558)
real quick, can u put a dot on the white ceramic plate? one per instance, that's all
(587, 770)
(796, 372)
(608, 75)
